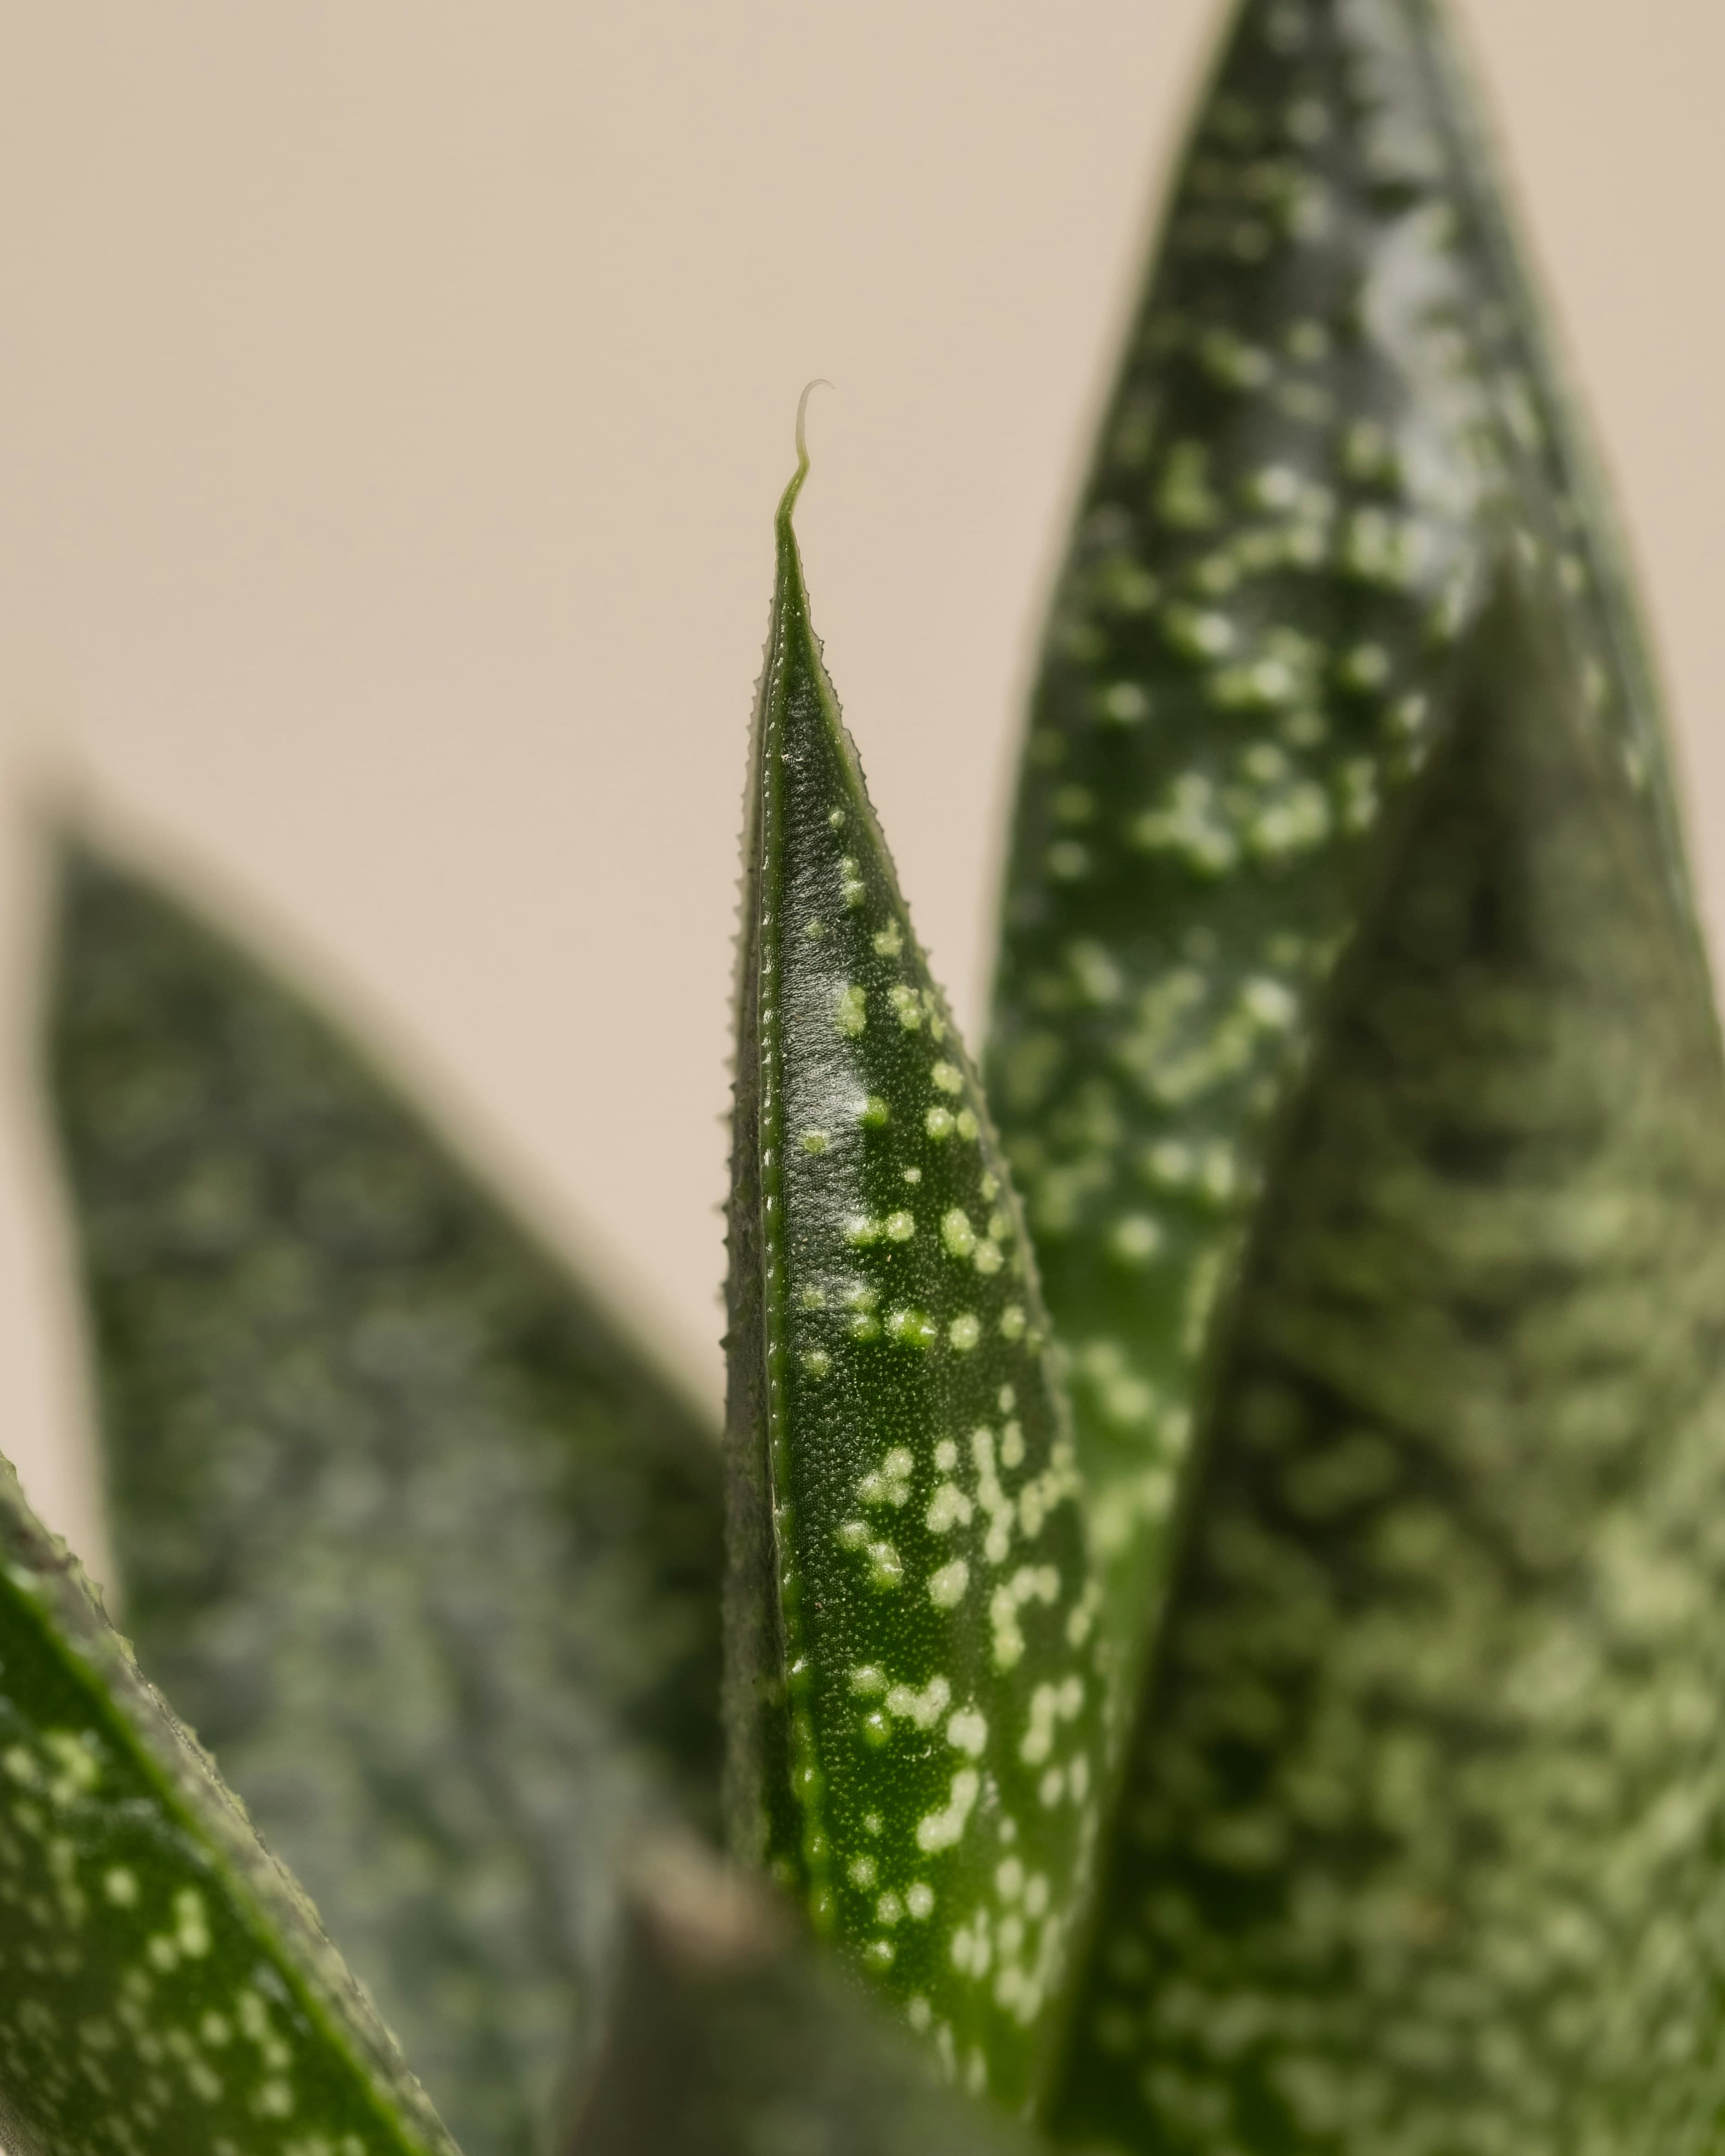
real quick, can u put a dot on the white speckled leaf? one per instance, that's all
(1334, 381)
(915, 1695)
(1355, 1048)
(163, 1986)
(1423, 1846)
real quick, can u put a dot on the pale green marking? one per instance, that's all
(947, 1588)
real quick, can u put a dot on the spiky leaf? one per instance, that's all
(733, 2038)
(420, 1541)
(1335, 380)
(163, 1984)
(914, 1697)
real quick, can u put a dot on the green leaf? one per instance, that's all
(1426, 1811)
(1335, 377)
(163, 1986)
(914, 1705)
(732, 2038)
(1355, 1047)
(422, 1544)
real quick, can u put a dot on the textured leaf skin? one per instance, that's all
(163, 1986)
(429, 1555)
(731, 2038)
(915, 1698)
(1424, 1821)
(1335, 376)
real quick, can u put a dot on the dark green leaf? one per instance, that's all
(425, 1549)
(1335, 377)
(916, 1709)
(163, 1986)
(1423, 1843)
(730, 2039)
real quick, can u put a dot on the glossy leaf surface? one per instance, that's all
(734, 2038)
(425, 1550)
(163, 1986)
(1422, 1847)
(915, 1694)
(1334, 384)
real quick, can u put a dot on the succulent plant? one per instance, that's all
(1200, 1635)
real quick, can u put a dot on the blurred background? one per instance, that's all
(394, 399)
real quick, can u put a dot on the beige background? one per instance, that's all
(393, 395)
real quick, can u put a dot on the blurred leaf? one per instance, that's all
(163, 1986)
(1355, 1048)
(429, 1553)
(1425, 1842)
(730, 2039)
(1335, 379)
(915, 1710)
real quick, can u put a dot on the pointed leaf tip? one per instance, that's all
(788, 500)
(915, 1696)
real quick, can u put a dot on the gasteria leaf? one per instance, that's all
(419, 1541)
(732, 2037)
(1334, 384)
(163, 1986)
(1425, 1814)
(914, 1698)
